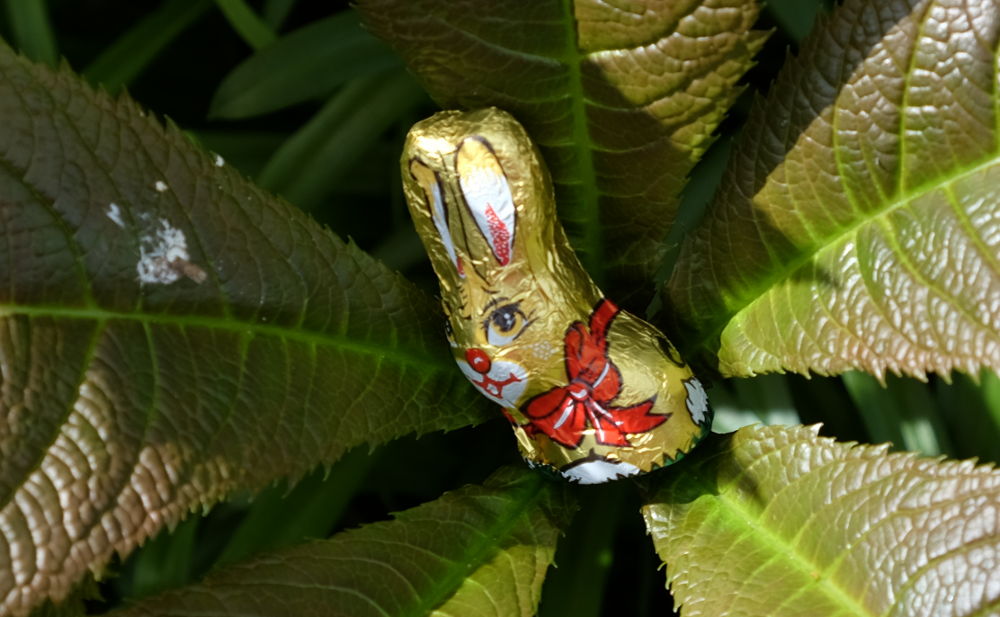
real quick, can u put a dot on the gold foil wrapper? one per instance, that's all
(590, 390)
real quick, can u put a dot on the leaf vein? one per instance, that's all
(57, 427)
(436, 362)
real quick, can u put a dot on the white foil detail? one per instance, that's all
(697, 400)
(492, 206)
(504, 383)
(441, 223)
(599, 471)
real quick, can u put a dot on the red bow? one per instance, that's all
(564, 412)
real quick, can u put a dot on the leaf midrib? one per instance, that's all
(734, 510)
(805, 257)
(430, 361)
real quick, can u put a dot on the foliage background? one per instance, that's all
(334, 153)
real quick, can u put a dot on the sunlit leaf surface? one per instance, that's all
(622, 98)
(859, 225)
(169, 332)
(777, 521)
(480, 550)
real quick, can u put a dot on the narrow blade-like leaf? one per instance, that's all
(622, 101)
(306, 64)
(795, 16)
(31, 30)
(276, 12)
(125, 59)
(308, 165)
(858, 223)
(776, 521)
(169, 332)
(252, 29)
(480, 550)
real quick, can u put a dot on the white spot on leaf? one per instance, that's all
(163, 257)
(160, 186)
(114, 212)
(219, 161)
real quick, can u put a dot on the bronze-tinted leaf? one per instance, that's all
(480, 550)
(169, 332)
(622, 97)
(776, 521)
(859, 222)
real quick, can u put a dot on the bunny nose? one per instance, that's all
(478, 360)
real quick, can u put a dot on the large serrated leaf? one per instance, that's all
(858, 225)
(169, 332)
(776, 521)
(480, 550)
(622, 99)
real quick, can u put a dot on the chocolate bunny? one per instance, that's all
(590, 390)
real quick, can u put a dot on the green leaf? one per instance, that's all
(763, 400)
(280, 517)
(32, 30)
(165, 561)
(307, 64)
(777, 521)
(587, 553)
(170, 333)
(857, 224)
(125, 59)
(312, 161)
(246, 150)
(276, 12)
(622, 102)
(901, 411)
(795, 16)
(254, 31)
(480, 550)
(973, 415)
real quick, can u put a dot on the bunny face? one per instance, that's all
(489, 228)
(527, 326)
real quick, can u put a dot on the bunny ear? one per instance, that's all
(488, 195)
(431, 185)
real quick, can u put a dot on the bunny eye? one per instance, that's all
(504, 324)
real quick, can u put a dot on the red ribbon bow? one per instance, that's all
(564, 412)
